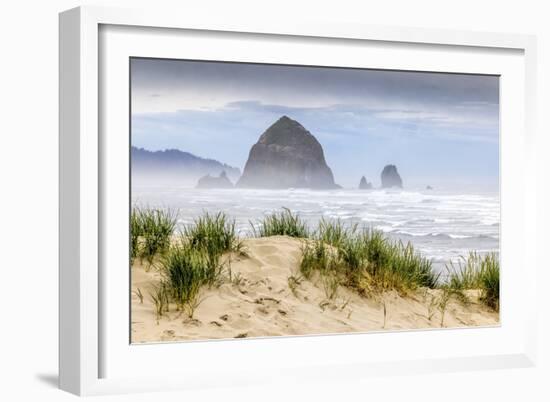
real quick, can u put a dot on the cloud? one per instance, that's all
(212, 85)
(429, 123)
(353, 120)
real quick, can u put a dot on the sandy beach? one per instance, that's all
(258, 301)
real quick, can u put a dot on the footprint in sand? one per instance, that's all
(262, 310)
(168, 334)
(266, 300)
(192, 322)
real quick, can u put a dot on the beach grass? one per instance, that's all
(477, 272)
(135, 233)
(213, 233)
(319, 257)
(395, 265)
(185, 270)
(410, 267)
(283, 223)
(194, 259)
(359, 258)
(464, 274)
(365, 260)
(490, 281)
(150, 231)
(159, 296)
(336, 253)
(335, 232)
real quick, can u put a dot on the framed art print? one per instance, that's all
(245, 223)
(336, 200)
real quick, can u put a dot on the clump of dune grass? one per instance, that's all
(464, 274)
(412, 268)
(150, 232)
(395, 265)
(317, 257)
(186, 270)
(157, 227)
(335, 233)
(353, 257)
(477, 272)
(159, 296)
(331, 282)
(194, 260)
(135, 233)
(215, 234)
(323, 259)
(442, 301)
(283, 223)
(490, 281)
(366, 261)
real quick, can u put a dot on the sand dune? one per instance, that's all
(261, 303)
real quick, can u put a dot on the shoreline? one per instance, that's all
(443, 228)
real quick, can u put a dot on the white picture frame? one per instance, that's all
(89, 353)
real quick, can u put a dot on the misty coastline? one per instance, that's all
(443, 224)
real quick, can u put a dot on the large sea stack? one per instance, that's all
(390, 177)
(287, 156)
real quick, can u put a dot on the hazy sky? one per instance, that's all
(439, 129)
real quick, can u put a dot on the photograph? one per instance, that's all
(289, 200)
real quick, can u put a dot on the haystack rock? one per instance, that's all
(390, 177)
(215, 182)
(364, 184)
(287, 156)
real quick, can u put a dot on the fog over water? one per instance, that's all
(442, 225)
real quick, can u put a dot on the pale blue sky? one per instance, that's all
(439, 129)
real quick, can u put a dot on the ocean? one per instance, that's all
(443, 226)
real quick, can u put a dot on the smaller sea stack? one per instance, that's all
(215, 182)
(390, 177)
(364, 184)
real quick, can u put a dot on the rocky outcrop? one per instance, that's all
(215, 182)
(390, 177)
(175, 166)
(364, 184)
(287, 156)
